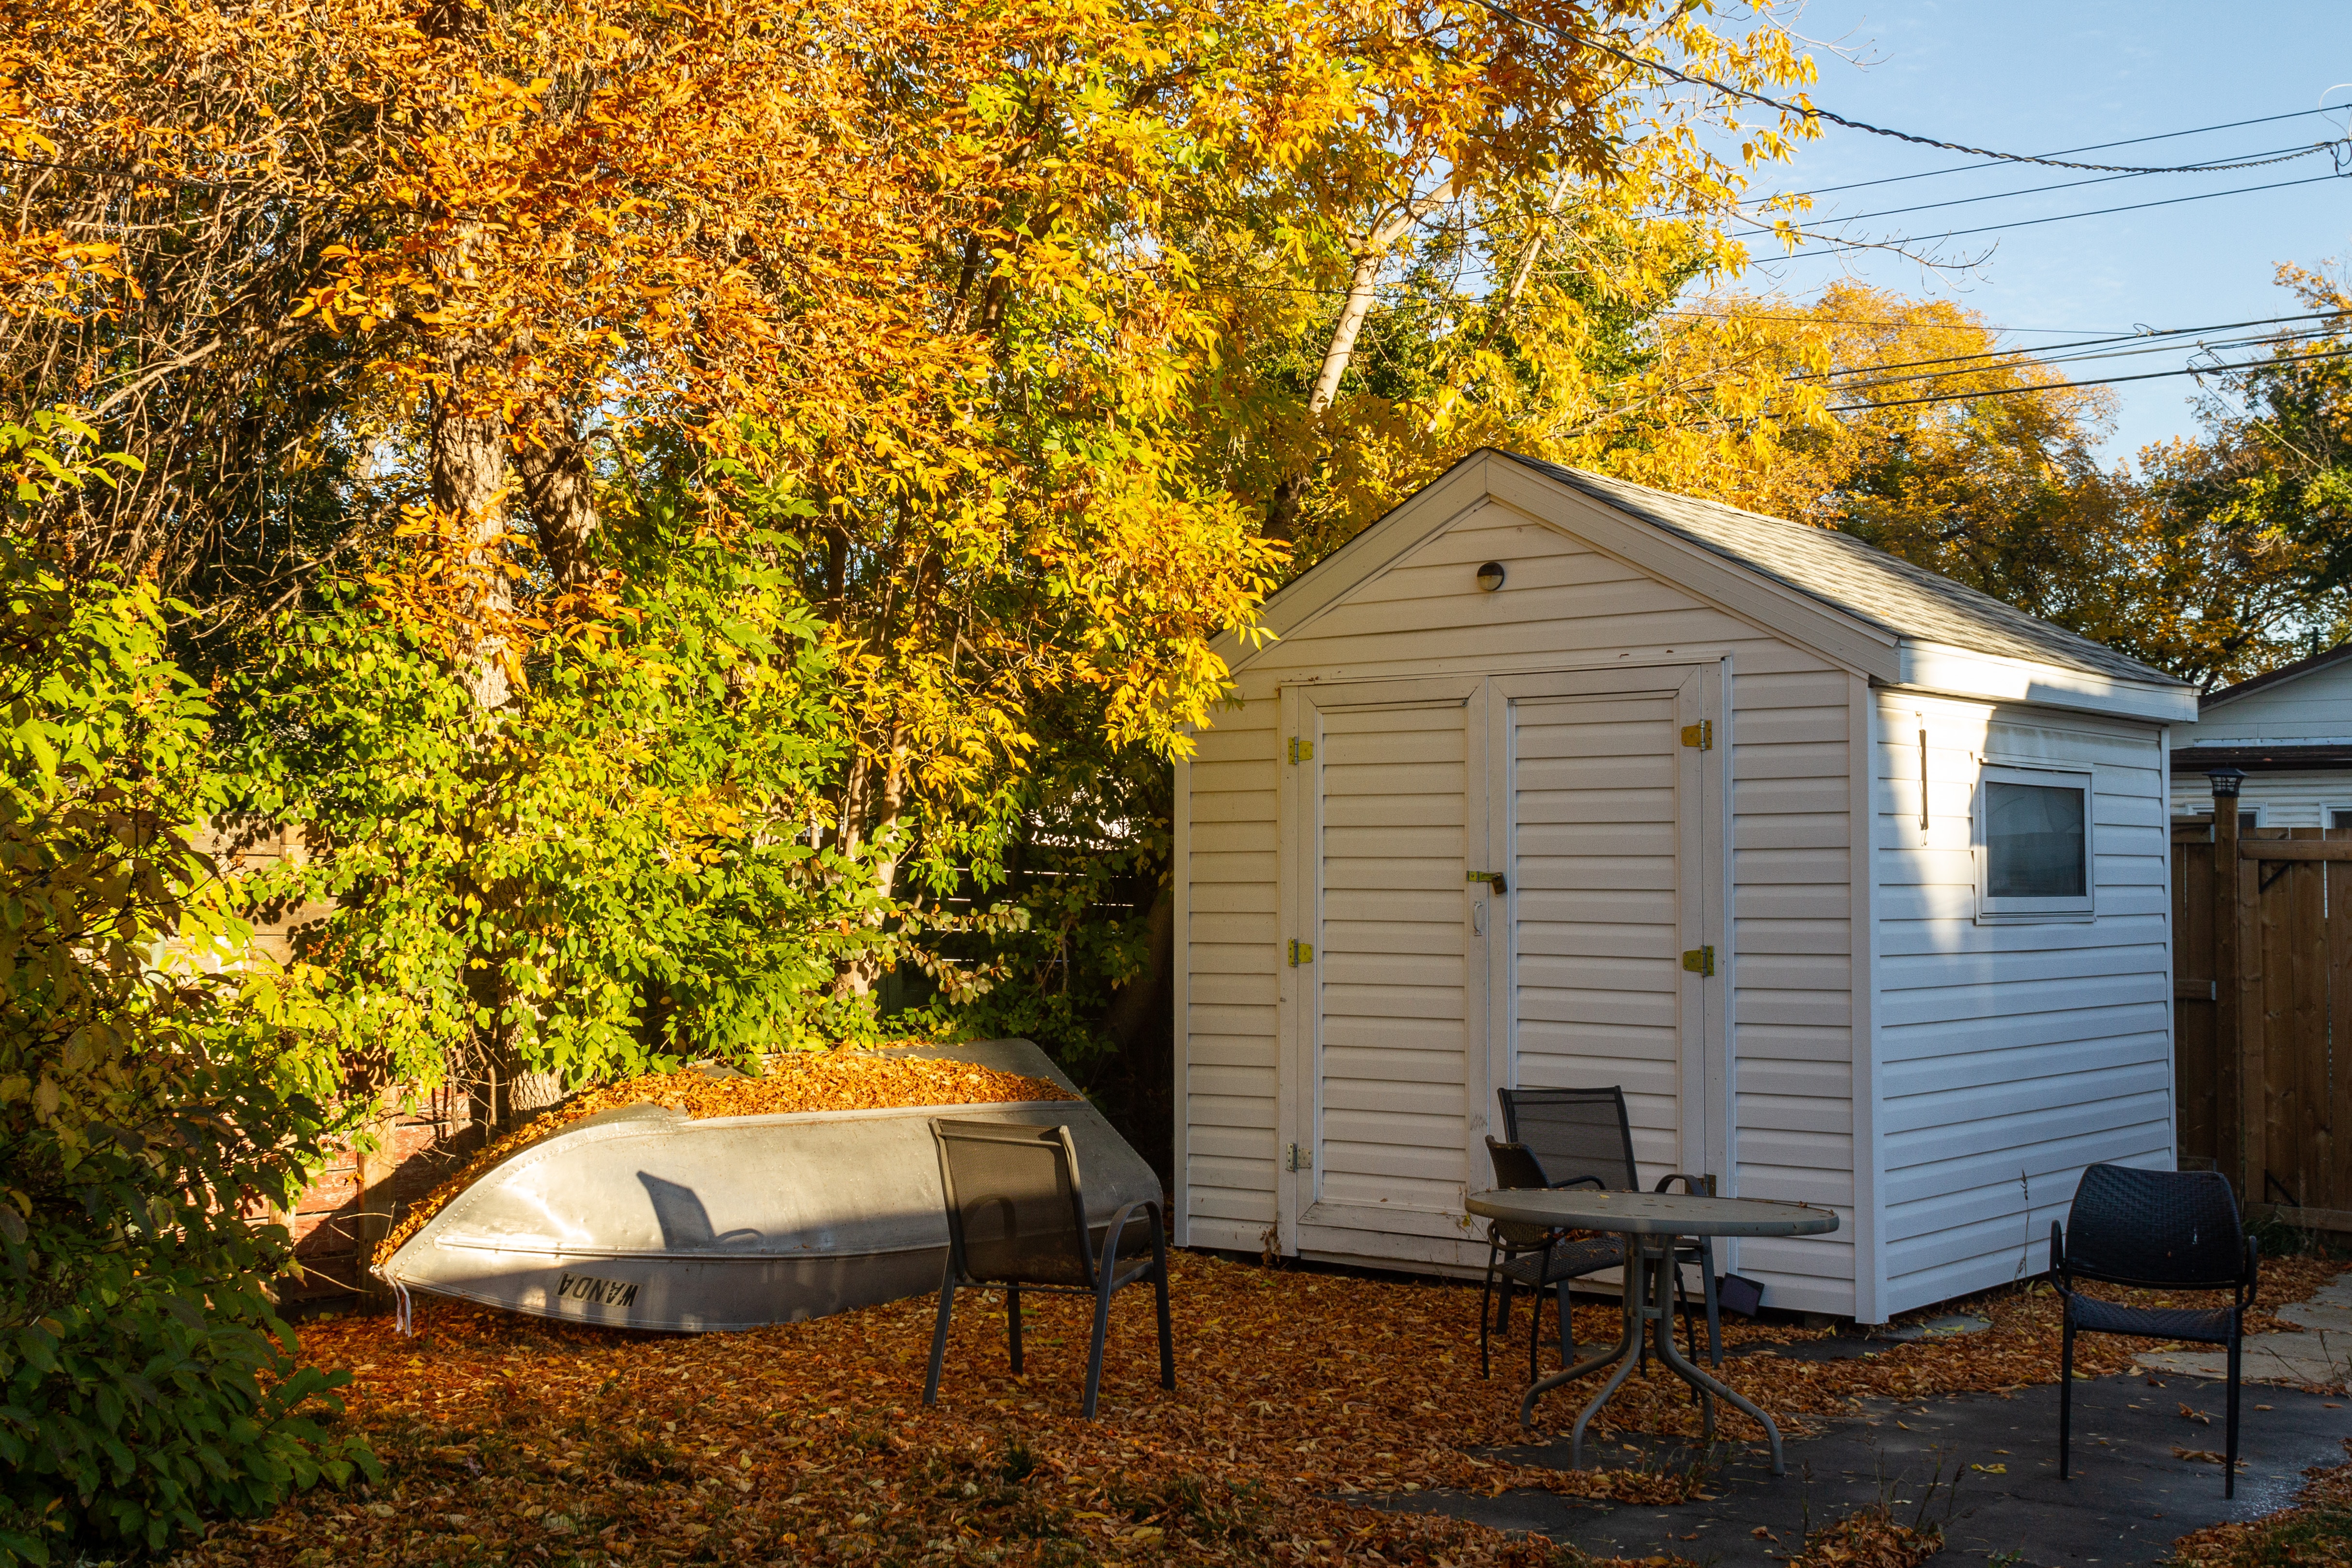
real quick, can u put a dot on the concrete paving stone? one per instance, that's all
(2131, 1494)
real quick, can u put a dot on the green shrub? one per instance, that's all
(147, 1106)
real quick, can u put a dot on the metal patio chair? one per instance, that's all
(1582, 1137)
(1017, 1219)
(2161, 1230)
(1536, 1257)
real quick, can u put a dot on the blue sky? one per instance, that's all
(2038, 77)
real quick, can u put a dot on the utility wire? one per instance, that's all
(2101, 382)
(2080, 343)
(1843, 388)
(2062, 151)
(1809, 112)
(2104, 212)
(1994, 197)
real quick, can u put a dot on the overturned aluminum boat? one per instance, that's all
(640, 1218)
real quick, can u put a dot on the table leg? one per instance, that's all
(1629, 1342)
(1698, 1377)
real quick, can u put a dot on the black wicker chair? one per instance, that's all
(1582, 1137)
(1533, 1256)
(1016, 1218)
(2164, 1230)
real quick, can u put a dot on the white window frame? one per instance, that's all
(1992, 911)
(2329, 808)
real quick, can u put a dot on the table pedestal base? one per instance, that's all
(1649, 1295)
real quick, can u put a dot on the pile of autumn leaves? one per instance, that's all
(841, 1080)
(808, 1443)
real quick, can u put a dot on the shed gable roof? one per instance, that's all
(1859, 579)
(2327, 659)
(1856, 604)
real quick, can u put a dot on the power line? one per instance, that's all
(1836, 246)
(2140, 337)
(1852, 386)
(1809, 112)
(1994, 197)
(2062, 151)
(2100, 382)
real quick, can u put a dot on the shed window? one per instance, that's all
(2033, 849)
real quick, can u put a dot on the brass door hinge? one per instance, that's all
(1301, 751)
(1699, 960)
(1301, 1159)
(1301, 953)
(1700, 735)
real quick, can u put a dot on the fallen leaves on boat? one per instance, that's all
(846, 1079)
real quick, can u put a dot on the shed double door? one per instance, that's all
(1418, 986)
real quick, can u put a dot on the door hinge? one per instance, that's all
(1700, 735)
(1301, 1159)
(1301, 953)
(1493, 878)
(1699, 960)
(1301, 751)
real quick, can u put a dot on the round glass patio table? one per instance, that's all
(1649, 1221)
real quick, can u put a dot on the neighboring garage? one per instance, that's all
(1648, 811)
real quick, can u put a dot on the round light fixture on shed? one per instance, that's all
(1490, 576)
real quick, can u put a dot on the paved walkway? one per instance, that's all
(2131, 1496)
(2320, 1352)
(1986, 1466)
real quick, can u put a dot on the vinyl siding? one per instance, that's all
(2311, 708)
(2280, 799)
(1789, 938)
(2011, 1056)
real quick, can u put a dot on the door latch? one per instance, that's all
(1301, 1159)
(1493, 878)
(1699, 960)
(1301, 953)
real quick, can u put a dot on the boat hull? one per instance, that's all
(640, 1218)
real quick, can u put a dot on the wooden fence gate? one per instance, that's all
(2263, 982)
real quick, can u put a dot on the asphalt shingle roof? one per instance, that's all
(1861, 579)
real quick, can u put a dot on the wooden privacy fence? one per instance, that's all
(2263, 982)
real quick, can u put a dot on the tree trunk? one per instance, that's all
(468, 473)
(558, 492)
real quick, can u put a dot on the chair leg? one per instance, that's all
(939, 1337)
(1714, 1308)
(1535, 1325)
(2065, 1389)
(1690, 1324)
(1013, 1321)
(1567, 1345)
(1486, 1313)
(1160, 1285)
(2230, 1457)
(1095, 1351)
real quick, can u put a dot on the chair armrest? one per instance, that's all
(1692, 1186)
(1119, 1228)
(1590, 1181)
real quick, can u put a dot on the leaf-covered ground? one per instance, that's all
(2316, 1533)
(512, 1439)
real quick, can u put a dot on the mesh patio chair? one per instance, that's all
(1582, 1137)
(2163, 1231)
(1535, 1256)
(1017, 1219)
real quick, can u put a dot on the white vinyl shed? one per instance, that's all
(1649, 813)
